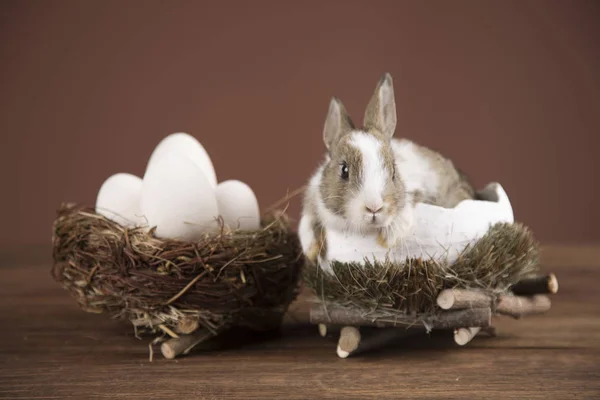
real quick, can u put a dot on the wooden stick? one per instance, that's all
(328, 331)
(182, 345)
(168, 331)
(455, 299)
(187, 326)
(547, 284)
(444, 320)
(519, 306)
(348, 342)
(463, 336)
(322, 330)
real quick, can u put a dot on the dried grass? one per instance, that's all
(505, 255)
(230, 279)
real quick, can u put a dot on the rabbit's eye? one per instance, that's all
(345, 171)
(394, 173)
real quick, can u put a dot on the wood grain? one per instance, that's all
(49, 349)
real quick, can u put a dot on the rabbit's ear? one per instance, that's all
(381, 110)
(337, 122)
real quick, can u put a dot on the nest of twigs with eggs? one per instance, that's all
(182, 293)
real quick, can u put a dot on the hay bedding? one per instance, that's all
(183, 293)
(504, 256)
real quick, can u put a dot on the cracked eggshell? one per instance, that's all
(178, 199)
(188, 145)
(437, 233)
(119, 200)
(238, 205)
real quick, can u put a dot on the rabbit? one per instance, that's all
(369, 182)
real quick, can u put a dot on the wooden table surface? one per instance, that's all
(49, 349)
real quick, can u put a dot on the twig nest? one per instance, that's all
(476, 245)
(456, 270)
(170, 287)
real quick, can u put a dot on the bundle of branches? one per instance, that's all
(488, 278)
(183, 293)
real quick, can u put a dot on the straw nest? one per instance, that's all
(505, 255)
(166, 287)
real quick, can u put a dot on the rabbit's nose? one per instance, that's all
(374, 209)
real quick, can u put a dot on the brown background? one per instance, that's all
(510, 90)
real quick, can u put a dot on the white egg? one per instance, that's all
(119, 200)
(188, 145)
(238, 205)
(178, 199)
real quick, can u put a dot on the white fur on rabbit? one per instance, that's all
(369, 182)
